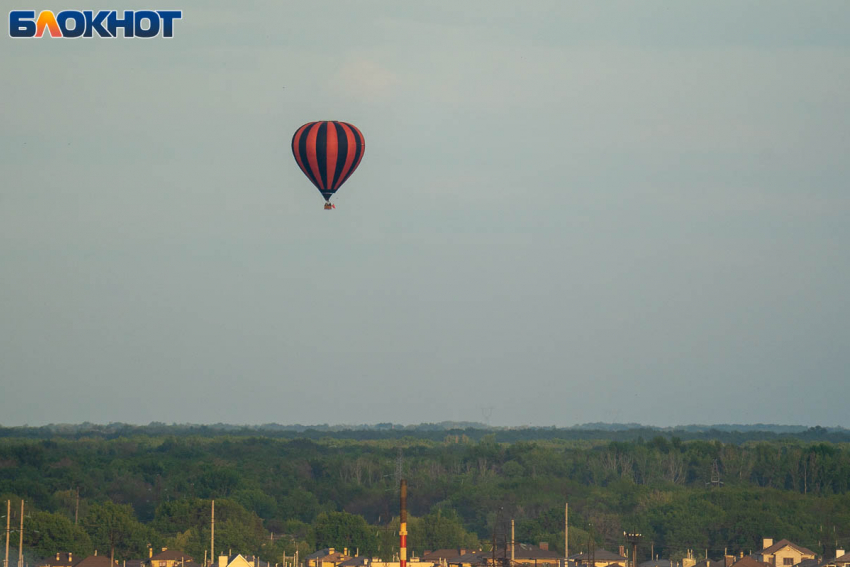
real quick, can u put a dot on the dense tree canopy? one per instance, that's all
(343, 531)
(46, 533)
(276, 496)
(114, 528)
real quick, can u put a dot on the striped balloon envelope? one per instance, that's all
(328, 152)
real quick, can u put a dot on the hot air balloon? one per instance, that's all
(328, 152)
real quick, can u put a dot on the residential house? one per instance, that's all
(684, 563)
(240, 560)
(601, 558)
(660, 563)
(748, 561)
(328, 557)
(256, 561)
(841, 560)
(443, 556)
(168, 558)
(96, 561)
(413, 562)
(470, 559)
(60, 560)
(536, 556)
(783, 553)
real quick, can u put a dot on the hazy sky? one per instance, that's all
(567, 212)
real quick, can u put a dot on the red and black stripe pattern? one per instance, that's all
(328, 152)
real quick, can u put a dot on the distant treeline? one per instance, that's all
(275, 494)
(724, 433)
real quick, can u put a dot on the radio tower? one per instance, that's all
(399, 468)
(715, 476)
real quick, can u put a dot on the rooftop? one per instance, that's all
(171, 555)
(785, 543)
(599, 555)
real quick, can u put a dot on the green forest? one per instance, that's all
(124, 490)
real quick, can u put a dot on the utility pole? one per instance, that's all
(21, 541)
(566, 532)
(591, 547)
(212, 534)
(77, 507)
(8, 518)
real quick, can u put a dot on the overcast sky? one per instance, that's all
(566, 212)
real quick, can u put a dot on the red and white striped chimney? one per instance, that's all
(402, 529)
